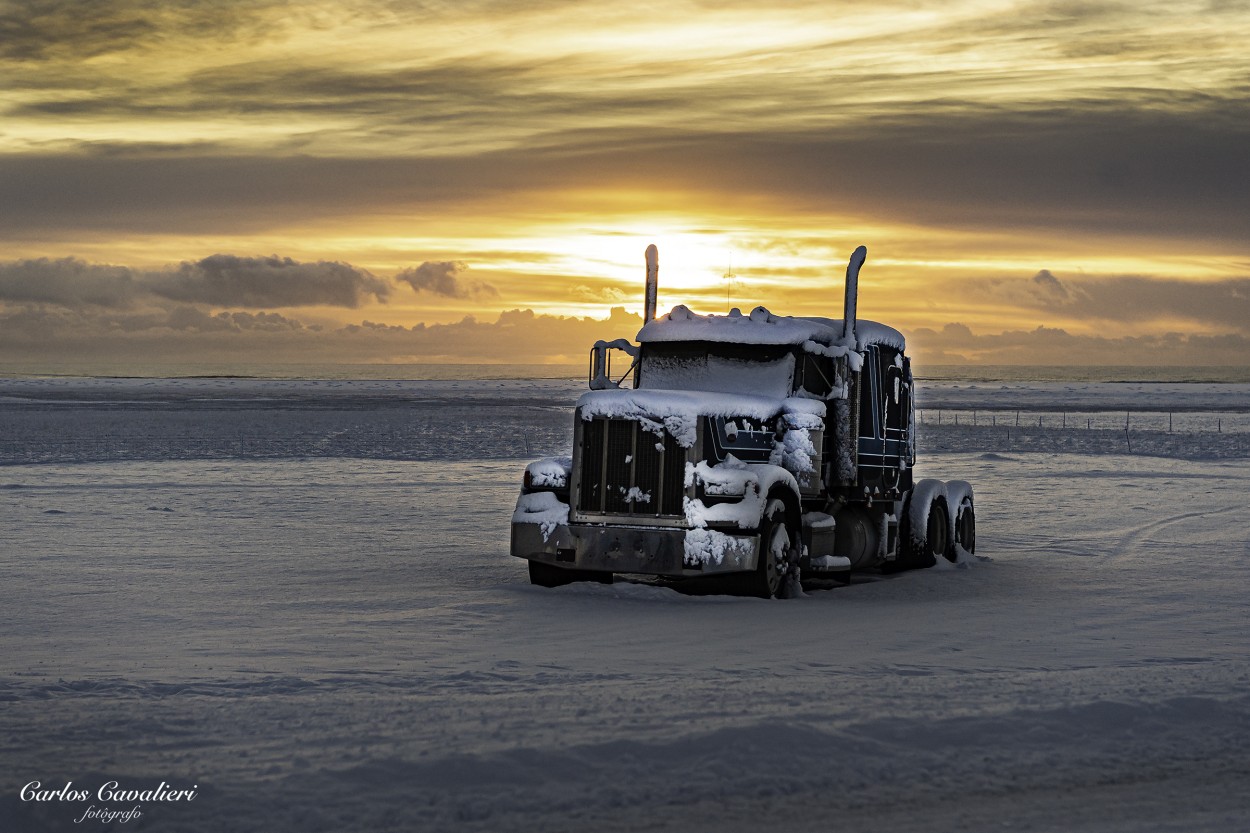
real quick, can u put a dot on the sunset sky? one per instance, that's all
(1036, 182)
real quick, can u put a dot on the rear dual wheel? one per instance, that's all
(929, 536)
(936, 543)
(959, 494)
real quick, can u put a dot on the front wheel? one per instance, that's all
(778, 546)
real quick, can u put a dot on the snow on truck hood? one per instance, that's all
(679, 410)
(763, 327)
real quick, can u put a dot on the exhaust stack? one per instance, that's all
(852, 293)
(653, 281)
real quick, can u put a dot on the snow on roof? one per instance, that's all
(762, 327)
(868, 332)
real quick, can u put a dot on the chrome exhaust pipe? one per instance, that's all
(852, 293)
(653, 282)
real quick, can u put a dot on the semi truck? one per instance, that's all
(752, 450)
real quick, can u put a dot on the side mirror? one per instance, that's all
(600, 376)
(896, 385)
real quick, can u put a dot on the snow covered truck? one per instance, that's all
(759, 448)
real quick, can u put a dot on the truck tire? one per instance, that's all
(777, 542)
(929, 535)
(545, 575)
(938, 536)
(959, 494)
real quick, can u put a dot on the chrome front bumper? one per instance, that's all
(658, 551)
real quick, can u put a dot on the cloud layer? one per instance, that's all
(1091, 171)
(444, 278)
(1206, 305)
(225, 304)
(228, 280)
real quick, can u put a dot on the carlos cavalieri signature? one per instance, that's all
(109, 792)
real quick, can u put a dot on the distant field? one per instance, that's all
(67, 420)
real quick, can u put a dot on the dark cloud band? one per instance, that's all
(219, 280)
(1093, 170)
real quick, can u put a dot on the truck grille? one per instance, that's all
(627, 470)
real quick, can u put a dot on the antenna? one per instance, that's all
(729, 284)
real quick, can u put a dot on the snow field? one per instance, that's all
(331, 644)
(335, 644)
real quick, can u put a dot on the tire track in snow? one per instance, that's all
(1125, 543)
(1129, 543)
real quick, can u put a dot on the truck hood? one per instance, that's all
(679, 410)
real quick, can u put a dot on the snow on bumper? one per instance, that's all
(666, 551)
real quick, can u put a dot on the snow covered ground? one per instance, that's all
(338, 639)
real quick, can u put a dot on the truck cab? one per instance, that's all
(757, 448)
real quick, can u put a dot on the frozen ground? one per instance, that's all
(336, 642)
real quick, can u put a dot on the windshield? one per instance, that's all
(763, 370)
